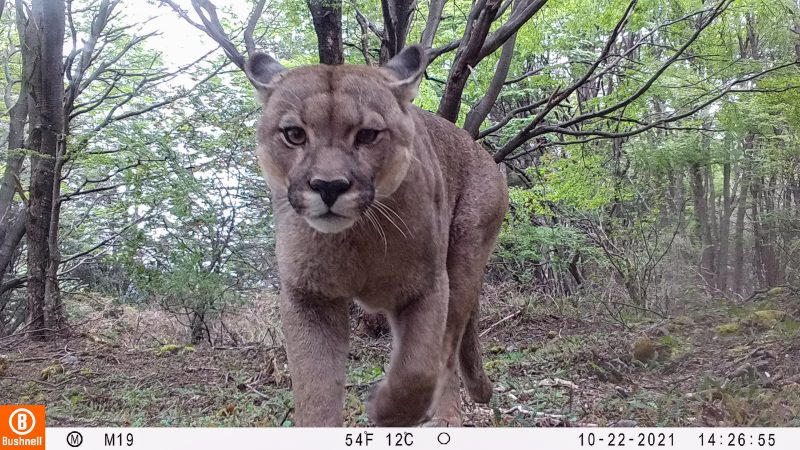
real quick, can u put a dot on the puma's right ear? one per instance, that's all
(406, 69)
(263, 71)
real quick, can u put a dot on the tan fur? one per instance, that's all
(418, 255)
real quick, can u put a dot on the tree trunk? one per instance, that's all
(770, 258)
(198, 327)
(793, 232)
(327, 17)
(396, 23)
(53, 304)
(14, 157)
(619, 171)
(48, 87)
(671, 196)
(758, 234)
(703, 229)
(35, 301)
(13, 236)
(741, 212)
(724, 229)
(680, 196)
(14, 217)
(712, 206)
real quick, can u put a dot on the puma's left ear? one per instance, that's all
(405, 71)
(263, 71)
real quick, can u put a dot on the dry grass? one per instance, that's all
(555, 362)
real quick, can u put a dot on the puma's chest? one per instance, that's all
(355, 267)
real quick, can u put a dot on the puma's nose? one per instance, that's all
(329, 190)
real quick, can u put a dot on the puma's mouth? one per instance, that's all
(327, 217)
(330, 215)
(330, 222)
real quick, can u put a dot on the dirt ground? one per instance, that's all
(718, 364)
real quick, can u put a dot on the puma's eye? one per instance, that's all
(294, 135)
(366, 136)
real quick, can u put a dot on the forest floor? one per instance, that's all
(716, 364)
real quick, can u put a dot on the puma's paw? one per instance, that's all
(480, 388)
(448, 412)
(399, 409)
(444, 422)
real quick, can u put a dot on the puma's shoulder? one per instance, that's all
(463, 161)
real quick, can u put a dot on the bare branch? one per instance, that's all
(481, 110)
(523, 77)
(112, 117)
(596, 134)
(249, 44)
(480, 19)
(599, 74)
(362, 19)
(519, 17)
(501, 35)
(185, 15)
(532, 129)
(104, 242)
(432, 23)
(396, 24)
(211, 26)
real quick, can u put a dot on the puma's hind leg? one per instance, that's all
(476, 382)
(466, 260)
(462, 307)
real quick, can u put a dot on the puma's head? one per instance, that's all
(332, 139)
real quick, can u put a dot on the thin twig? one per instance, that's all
(504, 319)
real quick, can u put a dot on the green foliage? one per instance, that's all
(522, 246)
(524, 243)
(581, 182)
(187, 287)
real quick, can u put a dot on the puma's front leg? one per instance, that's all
(405, 396)
(316, 332)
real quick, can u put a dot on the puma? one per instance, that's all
(379, 202)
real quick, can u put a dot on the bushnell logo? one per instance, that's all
(22, 427)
